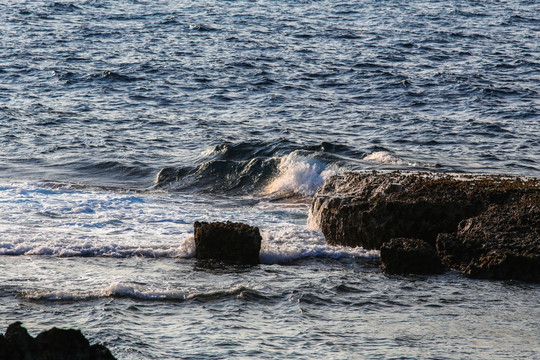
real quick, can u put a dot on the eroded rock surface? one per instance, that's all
(369, 209)
(410, 256)
(227, 242)
(501, 243)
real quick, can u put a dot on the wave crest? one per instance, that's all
(300, 175)
(384, 157)
(257, 167)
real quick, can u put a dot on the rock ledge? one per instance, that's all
(486, 226)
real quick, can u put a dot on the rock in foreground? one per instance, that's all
(53, 344)
(498, 234)
(227, 242)
(410, 256)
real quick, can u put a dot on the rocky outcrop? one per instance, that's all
(227, 242)
(501, 243)
(369, 209)
(410, 256)
(53, 344)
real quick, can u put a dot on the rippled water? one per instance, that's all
(123, 122)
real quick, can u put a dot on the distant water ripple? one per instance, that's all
(141, 86)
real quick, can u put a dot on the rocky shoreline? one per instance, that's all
(485, 226)
(53, 344)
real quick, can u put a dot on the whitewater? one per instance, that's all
(123, 122)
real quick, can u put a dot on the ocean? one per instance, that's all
(122, 122)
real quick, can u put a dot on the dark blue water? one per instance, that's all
(123, 122)
(113, 91)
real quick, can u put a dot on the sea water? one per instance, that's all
(124, 122)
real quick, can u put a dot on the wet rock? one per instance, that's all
(498, 232)
(501, 243)
(410, 256)
(227, 242)
(53, 344)
(368, 209)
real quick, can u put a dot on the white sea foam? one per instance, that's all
(384, 157)
(387, 158)
(187, 248)
(288, 244)
(300, 174)
(65, 223)
(60, 222)
(95, 250)
(120, 289)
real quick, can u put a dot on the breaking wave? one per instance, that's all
(130, 291)
(392, 160)
(299, 174)
(247, 168)
(384, 157)
(279, 246)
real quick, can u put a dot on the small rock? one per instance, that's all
(228, 242)
(410, 256)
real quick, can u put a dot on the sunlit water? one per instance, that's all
(123, 122)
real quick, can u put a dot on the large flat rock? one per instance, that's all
(369, 209)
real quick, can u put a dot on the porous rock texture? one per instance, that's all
(410, 256)
(501, 243)
(228, 242)
(53, 344)
(497, 217)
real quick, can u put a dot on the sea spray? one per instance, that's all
(300, 174)
(292, 243)
(384, 157)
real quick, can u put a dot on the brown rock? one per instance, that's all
(410, 256)
(498, 218)
(228, 242)
(501, 243)
(368, 209)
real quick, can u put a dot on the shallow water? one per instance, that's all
(123, 122)
(313, 308)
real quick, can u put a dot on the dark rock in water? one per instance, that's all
(365, 210)
(53, 344)
(369, 209)
(228, 242)
(501, 243)
(410, 256)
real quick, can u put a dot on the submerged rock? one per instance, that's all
(410, 256)
(53, 344)
(369, 209)
(228, 242)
